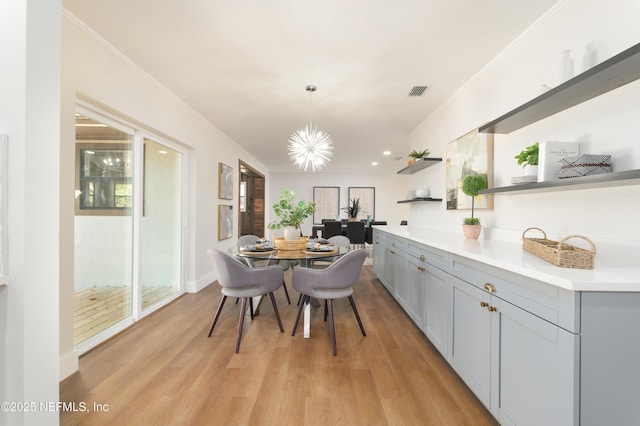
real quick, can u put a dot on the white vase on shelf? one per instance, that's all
(423, 192)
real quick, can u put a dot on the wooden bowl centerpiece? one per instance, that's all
(299, 244)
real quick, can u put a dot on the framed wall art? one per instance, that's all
(327, 199)
(225, 222)
(367, 197)
(471, 153)
(225, 182)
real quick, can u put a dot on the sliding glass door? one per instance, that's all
(161, 224)
(128, 226)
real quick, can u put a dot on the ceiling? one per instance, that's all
(244, 64)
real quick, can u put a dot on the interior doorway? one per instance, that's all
(251, 201)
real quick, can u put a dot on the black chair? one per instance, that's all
(355, 232)
(331, 228)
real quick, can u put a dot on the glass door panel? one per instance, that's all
(103, 234)
(161, 224)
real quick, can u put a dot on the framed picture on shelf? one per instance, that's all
(471, 153)
(327, 199)
(225, 182)
(225, 222)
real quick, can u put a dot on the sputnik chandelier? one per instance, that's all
(310, 148)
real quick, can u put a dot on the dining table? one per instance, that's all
(305, 258)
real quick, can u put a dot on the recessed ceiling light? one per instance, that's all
(387, 152)
(374, 163)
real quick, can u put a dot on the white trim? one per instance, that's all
(201, 283)
(68, 364)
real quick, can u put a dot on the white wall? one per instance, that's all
(29, 114)
(95, 72)
(390, 187)
(608, 124)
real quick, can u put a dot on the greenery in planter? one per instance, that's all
(419, 154)
(471, 184)
(354, 208)
(529, 156)
(290, 211)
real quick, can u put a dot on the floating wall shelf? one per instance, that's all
(628, 177)
(419, 165)
(419, 200)
(602, 78)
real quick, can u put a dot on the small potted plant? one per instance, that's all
(415, 155)
(353, 209)
(291, 213)
(529, 159)
(471, 185)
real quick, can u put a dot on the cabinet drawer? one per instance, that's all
(435, 257)
(554, 304)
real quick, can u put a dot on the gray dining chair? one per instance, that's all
(284, 264)
(334, 282)
(238, 280)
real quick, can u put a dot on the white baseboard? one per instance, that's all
(68, 364)
(199, 284)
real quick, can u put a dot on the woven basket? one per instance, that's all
(560, 253)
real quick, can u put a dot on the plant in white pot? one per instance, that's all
(528, 159)
(291, 213)
(353, 209)
(471, 185)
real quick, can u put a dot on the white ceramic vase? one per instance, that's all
(423, 192)
(530, 170)
(291, 233)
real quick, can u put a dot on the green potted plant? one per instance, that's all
(291, 213)
(416, 155)
(471, 185)
(353, 209)
(528, 159)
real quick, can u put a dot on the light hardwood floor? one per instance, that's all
(165, 371)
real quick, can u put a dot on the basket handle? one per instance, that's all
(528, 229)
(593, 246)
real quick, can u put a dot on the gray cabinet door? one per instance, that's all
(399, 275)
(470, 338)
(436, 304)
(415, 293)
(535, 369)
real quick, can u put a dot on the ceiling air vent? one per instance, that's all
(418, 90)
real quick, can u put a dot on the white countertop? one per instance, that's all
(607, 275)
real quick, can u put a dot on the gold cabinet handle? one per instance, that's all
(422, 257)
(492, 309)
(421, 269)
(490, 288)
(392, 252)
(483, 304)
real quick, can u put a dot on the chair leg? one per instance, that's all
(243, 309)
(355, 311)
(332, 330)
(251, 307)
(286, 292)
(325, 310)
(275, 308)
(300, 308)
(299, 299)
(215, 318)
